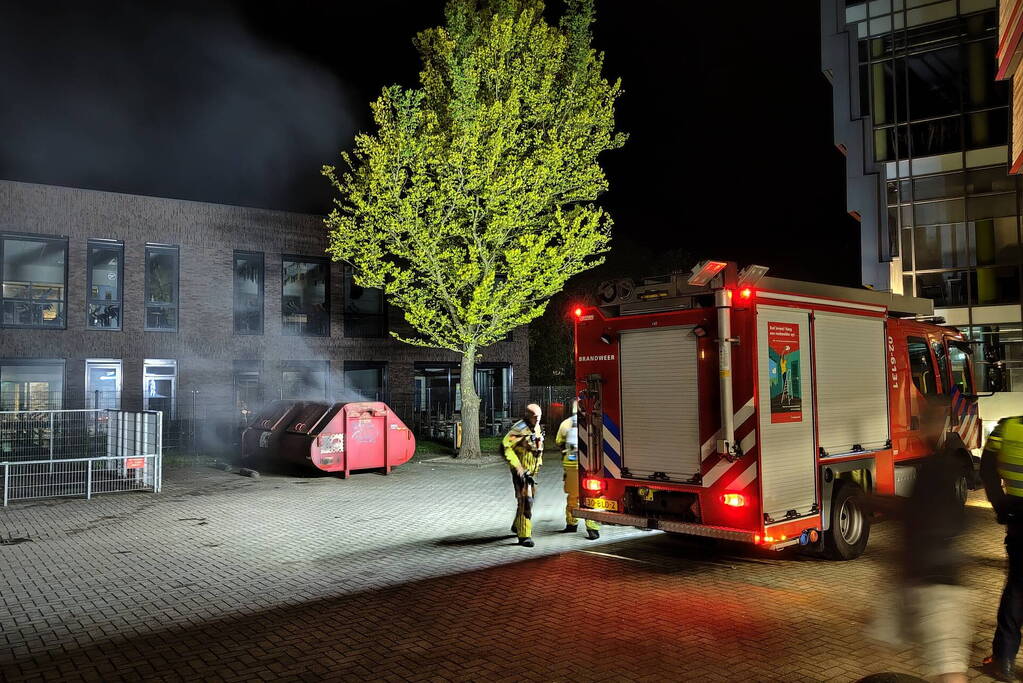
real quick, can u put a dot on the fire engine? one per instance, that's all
(731, 405)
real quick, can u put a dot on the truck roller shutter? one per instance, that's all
(660, 402)
(852, 387)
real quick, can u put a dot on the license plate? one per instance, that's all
(601, 504)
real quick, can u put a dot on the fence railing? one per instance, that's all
(56, 453)
(195, 423)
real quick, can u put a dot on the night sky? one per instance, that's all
(730, 154)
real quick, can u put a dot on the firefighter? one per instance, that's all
(568, 439)
(1001, 469)
(523, 449)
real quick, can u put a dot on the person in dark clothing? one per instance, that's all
(1001, 470)
(932, 561)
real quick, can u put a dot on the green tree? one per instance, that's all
(471, 204)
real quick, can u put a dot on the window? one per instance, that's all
(106, 272)
(161, 289)
(103, 384)
(364, 309)
(34, 273)
(159, 386)
(364, 380)
(436, 388)
(31, 384)
(987, 128)
(945, 289)
(921, 368)
(940, 246)
(995, 241)
(933, 81)
(304, 380)
(959, 359)
(985, 180)
(936, 187)
(305, 301)
(931, 213)
(937, 136)
(998, 285)
(248, 292)
(248, 388)
(493, 385)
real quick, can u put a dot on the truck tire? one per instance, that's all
(962, 482)
(850, 525)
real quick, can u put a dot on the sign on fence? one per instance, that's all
(134, 463)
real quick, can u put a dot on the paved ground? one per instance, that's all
(414, 577)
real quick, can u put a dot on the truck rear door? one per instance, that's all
(784, 368)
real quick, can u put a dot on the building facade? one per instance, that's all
(114, 300)
(924, 125)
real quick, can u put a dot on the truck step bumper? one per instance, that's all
(622, 519)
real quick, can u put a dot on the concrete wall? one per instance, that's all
(205, 345)
(853, 136)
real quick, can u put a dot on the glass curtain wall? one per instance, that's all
(926, 74)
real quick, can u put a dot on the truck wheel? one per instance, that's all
(962, 484)
(850, 525)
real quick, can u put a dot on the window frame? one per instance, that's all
(262, 289)
(4, 236)
(176, 250)
(326, 289)
(89, 301)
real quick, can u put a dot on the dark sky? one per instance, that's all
(730, 154)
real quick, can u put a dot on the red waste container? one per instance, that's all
(338, 437)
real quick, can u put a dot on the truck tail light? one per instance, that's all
(578, 312)
(745, 293)
(735, 500)
(593, 484)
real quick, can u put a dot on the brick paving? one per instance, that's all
(413, 577)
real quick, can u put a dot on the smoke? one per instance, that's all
(162, 100)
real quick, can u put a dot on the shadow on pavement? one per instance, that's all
(466, 626)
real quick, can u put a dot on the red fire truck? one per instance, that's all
(736, 406)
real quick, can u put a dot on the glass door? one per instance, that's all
(103, 384)
(159, 386)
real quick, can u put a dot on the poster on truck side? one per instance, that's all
(784, 366)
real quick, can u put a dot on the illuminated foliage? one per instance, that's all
(471, 204)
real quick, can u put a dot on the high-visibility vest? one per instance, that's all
(568, 435)
(1010, 456)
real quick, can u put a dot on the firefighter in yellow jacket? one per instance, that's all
(523, 449)
(1001, 470)
(568, 439)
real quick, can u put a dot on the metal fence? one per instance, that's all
(56, 453)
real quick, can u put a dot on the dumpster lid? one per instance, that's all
(271, 414)
(309, 415)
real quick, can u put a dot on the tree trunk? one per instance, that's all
(470, 407)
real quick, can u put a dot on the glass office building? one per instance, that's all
(915, 80)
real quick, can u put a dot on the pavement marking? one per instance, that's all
(620, 557)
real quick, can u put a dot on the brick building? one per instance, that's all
(133, 301)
